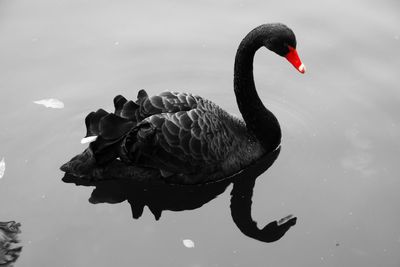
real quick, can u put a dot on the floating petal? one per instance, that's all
(50, 103)
(88, 139)
(2, 167)
(285, 219)
(188, 243)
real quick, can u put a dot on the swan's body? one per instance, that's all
(187, 138)
(185, 135)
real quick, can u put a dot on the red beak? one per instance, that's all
(293, 58)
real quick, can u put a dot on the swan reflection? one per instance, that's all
(9, 251)
(158, 195)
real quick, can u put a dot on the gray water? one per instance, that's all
(337, 171)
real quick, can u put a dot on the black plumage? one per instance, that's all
(187, 138)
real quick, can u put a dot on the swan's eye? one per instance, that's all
(278, 45)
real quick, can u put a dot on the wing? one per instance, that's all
(176, 133)
(145, 106)
(184, 142)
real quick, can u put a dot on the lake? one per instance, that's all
(336, 171)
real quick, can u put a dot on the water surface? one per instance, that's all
(337, 171)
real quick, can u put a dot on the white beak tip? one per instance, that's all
(302, 68)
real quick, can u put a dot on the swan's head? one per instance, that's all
(281, 40)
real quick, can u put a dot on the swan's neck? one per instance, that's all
(259, 121)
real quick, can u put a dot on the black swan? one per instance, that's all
(186, 138)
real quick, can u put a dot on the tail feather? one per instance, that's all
(105, 151)
(113, 127)
(124, 108)
(142, 95)
(129, 110)
(92, 122)
(80, 165)
(119, 102)
(111, 130)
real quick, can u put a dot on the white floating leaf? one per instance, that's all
(188, 243)
(50, 103)
(2, 167)
(285, 219)
(88, 139)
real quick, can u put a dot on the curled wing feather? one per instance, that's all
(181, 142)
(145, 106)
